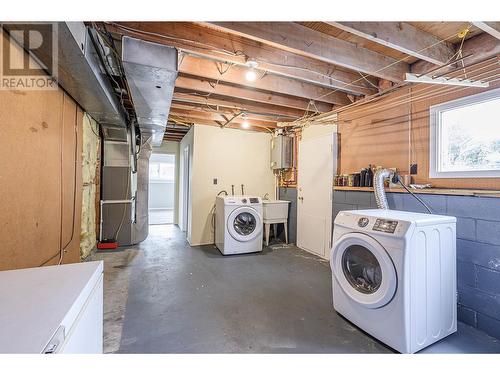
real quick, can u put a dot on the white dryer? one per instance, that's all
(238, 224)
(394, 275)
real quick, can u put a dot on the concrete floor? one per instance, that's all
(164, 296)
(161, 216)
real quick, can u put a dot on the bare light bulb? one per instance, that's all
(245, 124)
(251, 75)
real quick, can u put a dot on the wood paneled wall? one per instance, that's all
(394, 132)
(40, 178)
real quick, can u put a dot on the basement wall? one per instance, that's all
(185, 178)
(234, 157)
(394, 132)
(478, 244)
(40, 180)
(90, 185)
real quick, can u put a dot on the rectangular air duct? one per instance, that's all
(151, 71)
(82, 74)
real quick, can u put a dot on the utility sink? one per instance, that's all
(275, 210)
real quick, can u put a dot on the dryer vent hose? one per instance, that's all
(378, 187)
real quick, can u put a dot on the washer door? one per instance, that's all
(364, 270)
(244, 224)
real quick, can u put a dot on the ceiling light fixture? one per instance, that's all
(245, 124)
(251, 74)
(444, 81)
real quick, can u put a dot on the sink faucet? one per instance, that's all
(266, 197)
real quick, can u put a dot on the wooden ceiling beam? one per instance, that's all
(236, 75)
(200, 85)
(492, 28)
(223, 46)
(215, 101)
(227, 111)
(402, 37)
(478, 48)
(200, 114)
(233, 125)
(301, 40)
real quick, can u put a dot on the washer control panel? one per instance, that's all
(386, 226)
(363, 222)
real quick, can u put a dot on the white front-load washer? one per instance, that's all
(238, 224)
(394, 275)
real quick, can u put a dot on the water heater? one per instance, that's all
(282, 152)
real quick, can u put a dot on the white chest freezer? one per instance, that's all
(56, 309)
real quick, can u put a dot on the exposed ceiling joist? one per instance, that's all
(199, 120)
(477, 48)
(402, 37)
(229, 111)
(203, 115)
(301, 40)
(492, 28)
(215, 101)
(215, 44)
(236, 75)
(200, 85)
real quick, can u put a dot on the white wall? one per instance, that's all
(233, 157)
(187, 141)
(172, 148)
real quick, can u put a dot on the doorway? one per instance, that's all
(161, 189)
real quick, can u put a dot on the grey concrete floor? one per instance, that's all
(161, 216)
(164, 296)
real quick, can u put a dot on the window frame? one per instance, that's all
(435, 136)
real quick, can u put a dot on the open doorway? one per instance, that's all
(161, 189)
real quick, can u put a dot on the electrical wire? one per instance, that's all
(63, 249)
(414, 196)
(396, 62)
(235, 53)
(91, 127)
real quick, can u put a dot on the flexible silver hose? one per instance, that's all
(378, 188)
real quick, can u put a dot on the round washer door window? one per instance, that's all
(364, 270)
(361, 269)
(244, 224)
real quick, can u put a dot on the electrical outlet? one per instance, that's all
(215, 181)
(413, 168)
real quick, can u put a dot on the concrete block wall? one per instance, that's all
(478, 244)
(478, 247)
(289, 194)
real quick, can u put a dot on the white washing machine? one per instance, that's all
(394, 275)
(238, 224)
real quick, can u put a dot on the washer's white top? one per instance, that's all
(413, 217)
(35, 301)
(241, 200)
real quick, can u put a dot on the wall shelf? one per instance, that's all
(467, 192)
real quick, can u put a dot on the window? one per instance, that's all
(465, 137)
(162, 168)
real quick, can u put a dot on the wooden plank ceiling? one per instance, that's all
(302, 68)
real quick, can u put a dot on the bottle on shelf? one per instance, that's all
(362, 177)
(369, 176)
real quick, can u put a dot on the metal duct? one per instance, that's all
(82, 75)
(378, 188)
(151, 71)
(140, 226)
